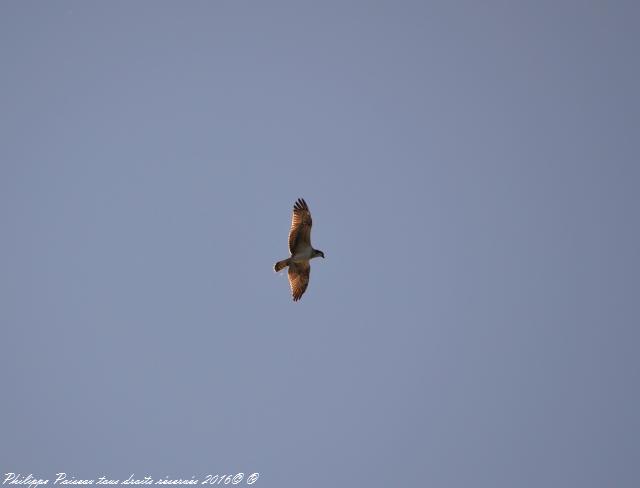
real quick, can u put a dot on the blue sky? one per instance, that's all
(473, 175)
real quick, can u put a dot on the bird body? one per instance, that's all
(301, 250)
(303, 253)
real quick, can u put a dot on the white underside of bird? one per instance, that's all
(303, 254)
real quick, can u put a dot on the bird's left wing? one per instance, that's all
(298, 278)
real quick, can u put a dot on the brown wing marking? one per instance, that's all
(298, 279)
(300, 232)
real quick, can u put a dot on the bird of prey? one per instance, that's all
(301, 250)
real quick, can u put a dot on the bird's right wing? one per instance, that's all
(300, 232)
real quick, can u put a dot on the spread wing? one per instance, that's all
(300, 232)
(298, 279)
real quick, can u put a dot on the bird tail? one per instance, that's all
(281, 264)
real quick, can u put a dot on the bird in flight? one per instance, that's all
(301, 250)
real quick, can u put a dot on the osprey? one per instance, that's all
(301, 250)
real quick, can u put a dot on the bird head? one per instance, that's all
(317, 253)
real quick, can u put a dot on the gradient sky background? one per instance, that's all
(473, 173)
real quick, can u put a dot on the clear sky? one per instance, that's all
(473, 173)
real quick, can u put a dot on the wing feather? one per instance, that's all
(298, 279)
(300, 233)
